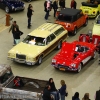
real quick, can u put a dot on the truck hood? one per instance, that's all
(96, 29)
(27, 49)
(63, 23)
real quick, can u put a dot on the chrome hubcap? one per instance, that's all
(7, 9)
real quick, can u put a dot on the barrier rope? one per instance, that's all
(3, 19)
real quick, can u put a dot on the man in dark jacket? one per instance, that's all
(62, 3)
(29, 14)
(73, 4)
(14, 25)
(46, 93)
(97, 95)
(55, 6)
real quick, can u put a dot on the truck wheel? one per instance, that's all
(79, 68)
(39, 60)
(75, 31)
(7, 10)
(86, 22)
(94, 55)
(59, 45)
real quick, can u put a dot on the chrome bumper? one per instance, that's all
(22, 61)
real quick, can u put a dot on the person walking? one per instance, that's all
(62, 90)
(73, 4)
(55, 7)
(47, 6)
(86, 96)
(62, 3)
(97, 95)
(76, 96)
(46, 93)
(13, 26)
(29, 14)
(17, 35)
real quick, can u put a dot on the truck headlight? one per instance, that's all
(30, 58)
(11, 54)
(53, 60)
(13, 7)
(73, 65)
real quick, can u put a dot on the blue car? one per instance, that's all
(12, 5)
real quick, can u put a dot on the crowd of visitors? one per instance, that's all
(50, 92)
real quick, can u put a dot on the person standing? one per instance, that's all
(29, 14)
(97, 96)
(14, 25)
(76, 96)
(46, 93)
(86, 96)
(47, 8)
(16, 35)
(53, 89)
(73, 4)
(62, 90)
(62, 3)
(55, 7)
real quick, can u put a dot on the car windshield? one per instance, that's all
(97, 21)
(35, 40)
(65, 18)
(93, 5)
(5, 77)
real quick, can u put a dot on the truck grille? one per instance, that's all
(19, 56)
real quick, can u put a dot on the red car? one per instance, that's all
(73, 56)
(71, 19)
(93, 39)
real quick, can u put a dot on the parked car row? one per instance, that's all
(49, 36)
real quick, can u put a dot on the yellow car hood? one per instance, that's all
(27, 49)
(89, 9)
(96, 30)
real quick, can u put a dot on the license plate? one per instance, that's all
(63, 69)
(86, 11)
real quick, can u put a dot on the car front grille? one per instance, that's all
(19, 56)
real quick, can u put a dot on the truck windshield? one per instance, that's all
(35, 40)
(5, 76)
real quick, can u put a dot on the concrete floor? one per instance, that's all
(86, 81)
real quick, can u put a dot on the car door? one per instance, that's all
(78, 21)
(86, 55)
(50, 44)
(2, 4)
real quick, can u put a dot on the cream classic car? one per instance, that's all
(39, 43)
(96, 27)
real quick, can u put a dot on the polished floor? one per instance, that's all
(88, 80)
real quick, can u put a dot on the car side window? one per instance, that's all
(52, 37)
(86, 48)
(59, 31)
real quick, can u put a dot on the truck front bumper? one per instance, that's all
(22, 61)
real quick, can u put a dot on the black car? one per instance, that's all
(12, 5)
(28, 0)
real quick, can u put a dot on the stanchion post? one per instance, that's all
(7, 19)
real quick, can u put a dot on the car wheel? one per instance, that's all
(79, 68)
(75, 31)
(39, 60)
(94, 55)
(59, 45)
(86, 22)
(7, 10)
